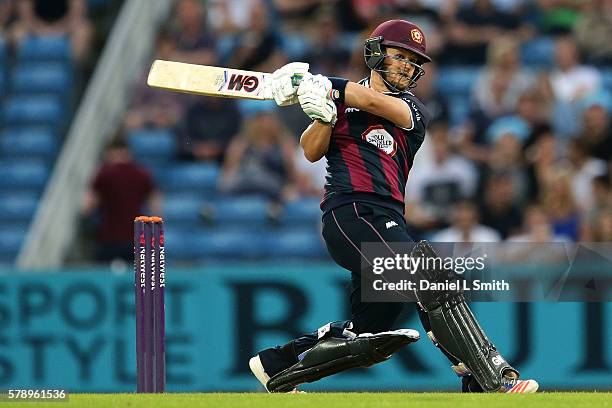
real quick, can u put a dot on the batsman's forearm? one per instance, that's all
(315, 140)
(377, 103)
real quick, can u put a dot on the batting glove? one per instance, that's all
(281, 85)
(313, 95)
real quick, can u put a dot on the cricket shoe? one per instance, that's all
(516, 386)
(258, 371)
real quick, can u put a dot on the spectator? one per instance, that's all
(473, 27)
(593, 31)
(600, 211)
(570, 80)
(261, 159)
(535, 109)
(465, 227)
(296, 14)
(560, 205)
(537, 228)
(310, 176)
(570, 83)
(55, 18)
(195, 43)
(438, 182)
(7, 15)
(499, 209)
(120, 191)
(207, 128)
(503, 152)
(541, 157)
(255, 47)
(327, 54)
(429, 95)
(502, 81)
(602, 229)
(584, 169)
(155, 108)
(557, 16)
(596, 132)
(228, 17)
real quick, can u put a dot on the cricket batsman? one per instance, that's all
(370, 133)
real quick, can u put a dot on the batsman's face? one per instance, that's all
(400, 66)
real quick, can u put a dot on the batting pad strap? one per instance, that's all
(336, 354)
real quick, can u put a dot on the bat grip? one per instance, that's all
(296, 79)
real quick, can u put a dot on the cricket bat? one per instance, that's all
(210, 81)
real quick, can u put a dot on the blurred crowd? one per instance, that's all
(85, 23)
(528, 158)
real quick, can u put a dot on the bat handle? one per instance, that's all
(296, 79)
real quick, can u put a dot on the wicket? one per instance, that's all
(149, 284)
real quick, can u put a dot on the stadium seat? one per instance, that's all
(606, 77)
(302, 243)
(232, 244)
(45, 48)
(305, 211)
(250, 211)
(459, 110)
(33, 110)
(295, 46)
(23, 174)
(28, 142)
(2, 79)
(11, 239)
(457, 81)
(2, 51)
(152, 145)
(42, 77)
(189, 177)
(17, 206)
(538, 52)
(196, 245)
(182, 208)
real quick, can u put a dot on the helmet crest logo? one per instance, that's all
(416, 35)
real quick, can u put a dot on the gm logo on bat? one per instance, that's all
(241, 82)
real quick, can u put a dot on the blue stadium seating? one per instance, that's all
(33, 110)
(23, 174)
(606, 76)
(2, 50)
(41, 77)
(303, 243)
(305, 211)
(18, 207)
(11, 239)
(181, 208)
(190, 177)
(152, 145)
(193, 245)
(538, 52)
(457, 81)
(47, 48)
(248, 210)
(29, 142)
(295, 46)
(459, 110)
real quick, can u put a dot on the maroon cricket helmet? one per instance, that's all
(402, 34)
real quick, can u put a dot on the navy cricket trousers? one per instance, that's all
(344, 229)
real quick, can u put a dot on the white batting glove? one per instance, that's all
(313, 95)
(280, 85)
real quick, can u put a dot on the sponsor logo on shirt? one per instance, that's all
(377, 136)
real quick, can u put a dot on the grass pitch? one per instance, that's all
(335, 400)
